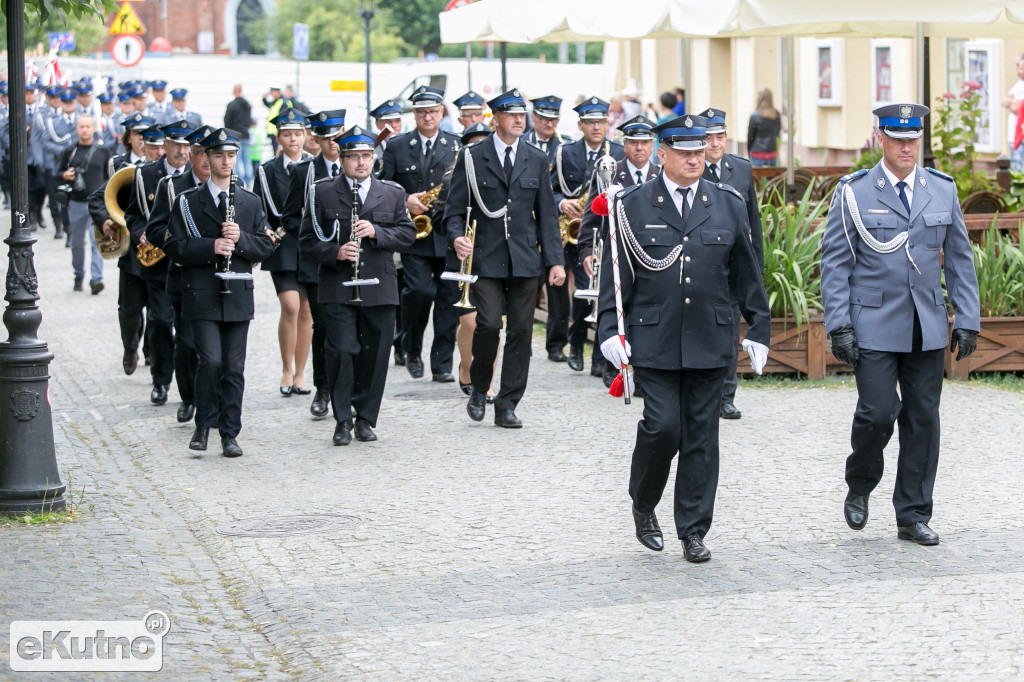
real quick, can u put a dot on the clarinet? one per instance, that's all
(358, 241)
(229, 217)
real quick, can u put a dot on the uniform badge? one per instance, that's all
(728, 165)
(223, 136)
(593, 100)
(906, 111)
(688, 122)
(880, 182)
(660, 199)
(922, 181)
(323, 116)
(412, 142)
(704, 198)
(291, 114)
(444, 141)
(515, 92)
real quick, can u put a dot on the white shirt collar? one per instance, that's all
(424, 140)
(499, 146)
(196, 181)
(909, 191)
(364, 186)
(676, 199)
(214, 191)
(171, 169)
(633, 169)
(133, 159)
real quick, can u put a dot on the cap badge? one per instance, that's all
(688, 122)
(323, 116)
(515, 92)
(880, 182)
(291, 115)
(593, 100)
(906, 111)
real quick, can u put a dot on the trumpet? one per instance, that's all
(605, 170)
(422, 221)
(463, 276)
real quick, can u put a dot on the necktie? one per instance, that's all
(685, 208)
(176, 173)
(334, 170)
(426, 149)
(591, 161)
(508, 164)
(639, 178)
(714, 171)
(903, 195)
(222, 205)
(358, 199)
(544, 146)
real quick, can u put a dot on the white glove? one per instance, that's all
(758, 353)
(613, 352)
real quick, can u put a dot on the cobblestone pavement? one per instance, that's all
(463, 551)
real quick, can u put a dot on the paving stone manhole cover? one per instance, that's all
(439, 394)
(298, 524)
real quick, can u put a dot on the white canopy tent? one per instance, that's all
(556, 21)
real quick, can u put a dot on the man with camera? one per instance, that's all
(82, 169)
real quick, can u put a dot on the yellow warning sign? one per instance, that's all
(126, 22)
(348, 86)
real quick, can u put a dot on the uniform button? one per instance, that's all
(686, 300)
(687, 259)
(687, 280)
(912, 286)
(652, 240)
(718, 238)
(686, 239)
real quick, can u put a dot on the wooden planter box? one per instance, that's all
(1000, 349)
(794, 350)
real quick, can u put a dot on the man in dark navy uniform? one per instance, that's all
(360, 320)
(417, 161)
(325, 126)
(570, 179)
(684, 256)
(471, 109)
(203, 239)
(502, 187)
(736, 172)
(544, 135)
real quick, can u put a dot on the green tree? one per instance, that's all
(416, 22)
(88, 26)
(335, 31)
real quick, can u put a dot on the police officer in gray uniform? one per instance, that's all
(892, 232)
(684, 257)
(736, 172)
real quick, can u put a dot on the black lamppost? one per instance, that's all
(367, 14)
(29, 480)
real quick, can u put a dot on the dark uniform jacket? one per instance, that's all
(528, 243)
(404, 163)
(201, 290)
(682, 316)
(98, 212)
(531, 138)
(385, 208)
(271, 186)
(736, 172)
(140, 206)
(572, 159)
(295, 204)
(160, 216)
(591, 220)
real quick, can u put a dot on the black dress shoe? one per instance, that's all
(507, 419)
(648, 532)
(318, 408)
(415, 367)
(301, 390)
(466, 388)
(199, 438)
(490, 399)
(399, 357)
(230, 447)
(159, 395)
(477, 405)
(185, 412)
(918, 532)
(286, 391)
(609, 374)
(343, 433)
(130, 362)
(556, 356)
(729, 411)
(363, 431)
(575, 359)
(694, 549)
(96, 287)
(596, 370)
(855, 509)
(444, 378)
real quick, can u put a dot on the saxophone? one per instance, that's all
(422, 221)
(568, 227)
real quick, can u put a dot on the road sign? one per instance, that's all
(63, 41)
(300, 41)
(127, 50)
(126, 22)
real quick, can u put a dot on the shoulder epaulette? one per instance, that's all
(392, 183)
(939, 173)
(742, 160)
(730, 189)
(627, 190)
(852, 176)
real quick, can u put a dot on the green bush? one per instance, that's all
(792, 258)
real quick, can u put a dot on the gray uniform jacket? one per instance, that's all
(878, 293)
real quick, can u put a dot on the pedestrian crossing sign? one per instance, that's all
(127, 22)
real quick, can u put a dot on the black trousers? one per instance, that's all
(132, 297)
(58, 213)
(731, 382)
(220, 374)
(399, 326)
(490, 296)
(560, 307)
(916, 409)
(160, 326)
(185, 358)
(680, 415)
(316, 311)
(422, 287)
(36, 190)
(358, 351)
